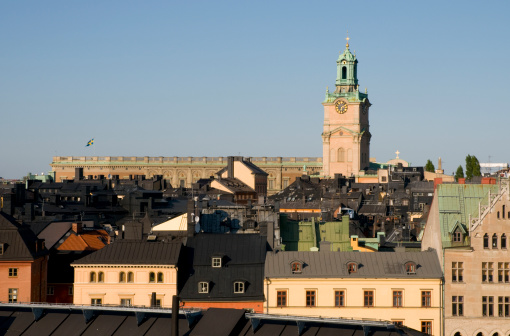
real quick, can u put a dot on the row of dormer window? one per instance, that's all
(352, 267)
(126, 277)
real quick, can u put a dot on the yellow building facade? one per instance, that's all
(127, 273)
(401, 287)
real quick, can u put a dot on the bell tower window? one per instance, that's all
(344, 72)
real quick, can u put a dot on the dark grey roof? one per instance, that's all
(20, 243)
(372, 209)
(70, 321)
(234, 184)
(243, 258)
(370, 264)
(135, 253)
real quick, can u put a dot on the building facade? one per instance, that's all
(346, 135)
(127, 273)
(403, 287)
(183, 171)
(476, 223)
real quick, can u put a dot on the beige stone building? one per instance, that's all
(127, 273)
(469, 225)
(402, 287)
(183, 171)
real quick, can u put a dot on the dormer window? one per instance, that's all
(216, 262)
(352, 267)
(2, 248)
(296, 267)
(203, 287)
(239, 287)
(457, 236)
(410, 268)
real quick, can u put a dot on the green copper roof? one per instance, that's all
(346, 56)
(457, 202)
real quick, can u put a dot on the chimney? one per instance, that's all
(230, 167)
(77, 227)
(175, 315)
(78, 174)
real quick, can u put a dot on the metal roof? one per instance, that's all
(130, 252)
(370, 264)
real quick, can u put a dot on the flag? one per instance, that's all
(90, 143)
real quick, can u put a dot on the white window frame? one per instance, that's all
(239, 287)
(216, 262)
(203, 287)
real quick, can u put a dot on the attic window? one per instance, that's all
(2, 248)
(296, 267)
(203, 287)
(216, 262)
(352, 267)
(410, 268)
(239, 287)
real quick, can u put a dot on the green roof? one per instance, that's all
(457, 202)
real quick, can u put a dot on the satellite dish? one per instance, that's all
(197, 228)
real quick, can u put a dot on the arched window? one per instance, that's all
(503, 241)
(344, 72)
(479, 334)
(152, 277)
(494, 241)
(410, 268)
(296, 267)
(486, 241)
(92, 276)
(341, 155)
(100, 277)
(122, 277)
(503, 211)
(131, 277)
(457, 334)
(352, 267)
(160, 277)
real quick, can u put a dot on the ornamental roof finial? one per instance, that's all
(347, 39)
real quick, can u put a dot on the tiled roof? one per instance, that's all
(370, 264)
(86, 240)
(131, 252)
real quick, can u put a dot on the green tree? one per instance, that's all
(475, 165)
(459, 173)
(430, 166)
(469, 167)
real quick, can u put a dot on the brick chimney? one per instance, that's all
(76, 227)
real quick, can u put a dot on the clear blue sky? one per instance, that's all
(210, 78)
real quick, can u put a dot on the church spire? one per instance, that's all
(347, 68)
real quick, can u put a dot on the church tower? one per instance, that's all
(346, 136)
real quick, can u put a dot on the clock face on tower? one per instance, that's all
(341, 107)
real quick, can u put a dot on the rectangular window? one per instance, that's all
(457, 237)
(96, 302)
(368, 298)
(216, 262)
(281, 298)
(397, 298)
(13, 295)
(13, 272)
(1, 248)
(488, 305)
(339, 298)
(158, 302)
(70, 290)
(457, 306)
(487, 272)
(426, 298)
(203, 287)
(125, 302)
(398, 323)
(238, 287)
(457, 271)
(426, 327)
(50, 290)
(310, 298)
